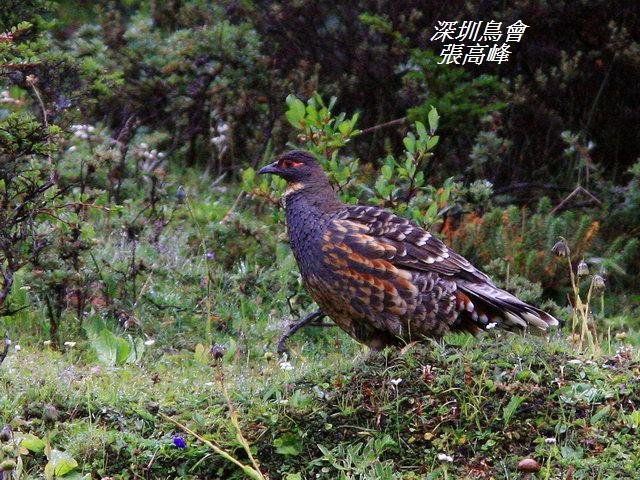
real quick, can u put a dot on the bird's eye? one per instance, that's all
(287, 163)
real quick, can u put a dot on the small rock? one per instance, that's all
(528, 465)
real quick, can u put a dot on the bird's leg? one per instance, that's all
(314, 318)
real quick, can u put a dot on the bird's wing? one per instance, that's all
(376, 234)
(368, 228)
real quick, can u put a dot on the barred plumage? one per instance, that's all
(380, 277)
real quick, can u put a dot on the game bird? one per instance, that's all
(380, 277)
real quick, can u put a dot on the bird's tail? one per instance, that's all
(488, 304)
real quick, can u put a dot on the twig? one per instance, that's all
(31, 80)
(600, 91)
(229, 213)
(391, 123)
(575, 192)
(234, 421)
(7, 282)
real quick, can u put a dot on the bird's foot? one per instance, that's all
(313, 319)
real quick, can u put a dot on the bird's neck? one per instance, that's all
(309, 209)
(311, 199)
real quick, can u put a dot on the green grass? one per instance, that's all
(487, 403)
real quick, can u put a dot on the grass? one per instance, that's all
(486, 403)
(330, 410)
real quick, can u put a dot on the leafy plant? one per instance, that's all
(361, 460)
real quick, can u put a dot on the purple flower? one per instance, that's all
(179, 442)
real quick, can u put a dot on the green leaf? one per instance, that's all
(387, 171)
(344, 128)
(123, 349)
(106, 347)
(77, 476)
(332, 102)
(60, 463)
(432, 142)
(410, 142)
(354, 119)
(288, 444)
(422, 132)
(32, 443)
(434, 119)
(296, 111)
(111, 350)
(201, 354)
(511, 408)
(600, 414)
(432, 212)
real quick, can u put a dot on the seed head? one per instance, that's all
(5, 434)
(583, 269)
(561, 249)
(181, 194)
(218, 351)
(598, 282)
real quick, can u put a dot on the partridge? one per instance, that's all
(380, 277)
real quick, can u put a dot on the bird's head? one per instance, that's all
(299, 169)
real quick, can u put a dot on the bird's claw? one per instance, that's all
(313, 319)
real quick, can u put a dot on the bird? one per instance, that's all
(380, 277)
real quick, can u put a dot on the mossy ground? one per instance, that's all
(486, 402)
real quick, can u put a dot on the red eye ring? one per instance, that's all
(287, 163)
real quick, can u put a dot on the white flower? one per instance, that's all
(550, 440)
(70, 344)
(17, 347)
(218, 140)
(47, 343)
(286, 365)
(491, 325)
(443, 457)
(396, 381)
(149, 342)
(82, 131)
(72, 148)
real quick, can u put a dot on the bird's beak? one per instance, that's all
(271, 168)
